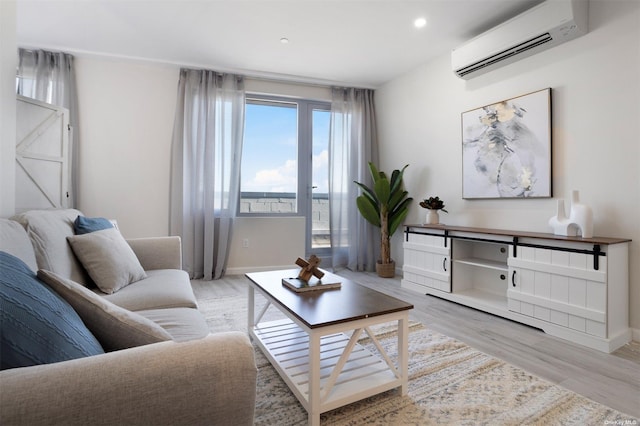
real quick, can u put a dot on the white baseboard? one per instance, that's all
(635, 334)
(242, 271)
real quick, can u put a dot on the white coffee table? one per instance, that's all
(324, 367)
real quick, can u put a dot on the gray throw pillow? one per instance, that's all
(114, 327)
(108, 258)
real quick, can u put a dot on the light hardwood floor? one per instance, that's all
(611, 379)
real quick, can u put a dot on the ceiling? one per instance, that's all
(360, 43)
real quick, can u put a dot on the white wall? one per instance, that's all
(126, 122)
(272, 243)
(596, 143)
(8, 64)
(294, 90)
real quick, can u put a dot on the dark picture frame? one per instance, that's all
(506, 148)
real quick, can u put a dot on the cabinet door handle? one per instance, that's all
(444, 264)
(513, 279)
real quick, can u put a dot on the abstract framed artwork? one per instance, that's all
(506, 148)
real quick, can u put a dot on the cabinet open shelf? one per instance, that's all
(479, 298)
(483, 263)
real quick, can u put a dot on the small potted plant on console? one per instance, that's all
(433, 205)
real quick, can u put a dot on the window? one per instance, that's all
(284, 155)
(285, 158)
(269, 169)
(28, 84)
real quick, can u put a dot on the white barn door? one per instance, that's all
(42, 155)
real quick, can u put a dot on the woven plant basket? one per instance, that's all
(386, 270)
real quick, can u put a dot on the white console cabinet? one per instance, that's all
(570, 287)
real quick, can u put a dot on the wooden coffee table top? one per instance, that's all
(321, 308)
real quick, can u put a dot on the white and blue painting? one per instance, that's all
(506, 148)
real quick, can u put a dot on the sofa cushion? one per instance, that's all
(181, 323)
(38, 326)
(48, 231)
(85, 225)
(14, 240)
(108, 259)
(163, 288)
(114, 327)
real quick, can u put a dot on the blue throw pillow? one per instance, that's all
(38, 326)
(86, 225)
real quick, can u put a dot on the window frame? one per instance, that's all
(305, 108)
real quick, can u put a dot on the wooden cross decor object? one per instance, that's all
(309, 268)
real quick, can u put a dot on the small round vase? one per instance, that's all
(432, 217)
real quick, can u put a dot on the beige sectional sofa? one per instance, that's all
(193, 377)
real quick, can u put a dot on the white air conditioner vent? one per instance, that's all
(539, 28)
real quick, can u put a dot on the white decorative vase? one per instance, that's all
(579, 222)
(581, 217)
(432, 217)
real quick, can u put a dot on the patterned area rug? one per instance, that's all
(450, 383)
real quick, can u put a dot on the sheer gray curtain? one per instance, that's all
(352, 144)
(50, 77)
(205, 168)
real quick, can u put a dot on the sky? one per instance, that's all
(269, 155)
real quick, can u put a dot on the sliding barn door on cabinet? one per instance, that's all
(427, 262)
(42, 155)
(560, 287)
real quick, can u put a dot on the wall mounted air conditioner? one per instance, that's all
(543, 26)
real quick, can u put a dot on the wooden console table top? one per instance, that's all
(524, 234)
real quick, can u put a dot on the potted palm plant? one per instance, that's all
(385, 205)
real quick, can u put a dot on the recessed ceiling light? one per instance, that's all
(284, 40)
(420, 22)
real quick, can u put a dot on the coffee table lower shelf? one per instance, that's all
(348, 372)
